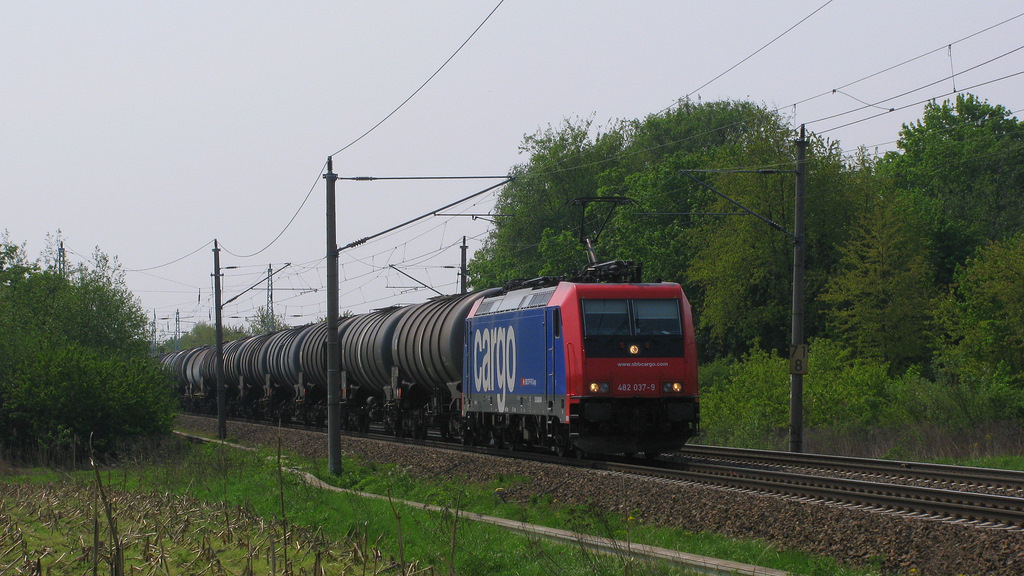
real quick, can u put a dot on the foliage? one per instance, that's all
(74, 360)
(535, 205)
(984, 315)
(880, 298)
(67, 390)
(736, 270)
(202, 334)
(748, 403)
(883, 241)
(962, 167)
(264, 322)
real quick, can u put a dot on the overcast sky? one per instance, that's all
(151, 128)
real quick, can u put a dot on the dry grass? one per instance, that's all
(925, 442)
(62, 528)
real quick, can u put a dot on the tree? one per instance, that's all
(983, 315)
(736, 270)
(962, 167)
(202, 334)
(744, 266)
(880, 298)
(263, 322)
(564, 164)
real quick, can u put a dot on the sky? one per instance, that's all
(149, 129)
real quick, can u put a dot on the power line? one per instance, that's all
(773, 40)
(918, 89)
(176, 260)
(908, 61)
(919, 102)
(364, 134)
(415, 92)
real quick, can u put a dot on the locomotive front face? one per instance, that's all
(634, 347)
(637, 384)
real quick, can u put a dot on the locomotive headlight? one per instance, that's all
(675, 387)
(634, 349)
(598, 387)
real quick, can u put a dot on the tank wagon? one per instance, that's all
(558, 365)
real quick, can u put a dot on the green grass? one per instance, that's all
(998, 462)
(387, 534)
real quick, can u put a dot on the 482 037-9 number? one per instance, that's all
(636, 387)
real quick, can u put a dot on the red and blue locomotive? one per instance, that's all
(591, 367)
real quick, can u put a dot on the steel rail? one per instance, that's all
(938, 473)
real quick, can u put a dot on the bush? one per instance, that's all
(74, 360)
(748, 403)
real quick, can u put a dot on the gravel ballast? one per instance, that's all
(902, 543)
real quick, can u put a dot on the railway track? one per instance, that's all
(982, 509)
(1009, 482)
(986, 498)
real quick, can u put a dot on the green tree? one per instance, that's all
(880, 299)
(736, 270)
(744, 266)
(984, 315)
(962, 167)
(202, 334)
(564, 164)
(74, 360)
(263, 322)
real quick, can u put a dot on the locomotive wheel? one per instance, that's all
(509, 439)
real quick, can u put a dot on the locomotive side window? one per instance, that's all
(606, 317)
(657, 317)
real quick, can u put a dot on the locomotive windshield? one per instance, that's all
(606, 318)
(656, 317)
(631, 318)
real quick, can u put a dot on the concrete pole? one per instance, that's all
(333, 350)
(796, 397)
(462, 270)
(222, 393)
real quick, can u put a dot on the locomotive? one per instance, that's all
(578, 365)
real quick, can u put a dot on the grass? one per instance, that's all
(55, 528)
(998, 462)
(190, 509)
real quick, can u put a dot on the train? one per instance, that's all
(573, 366)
